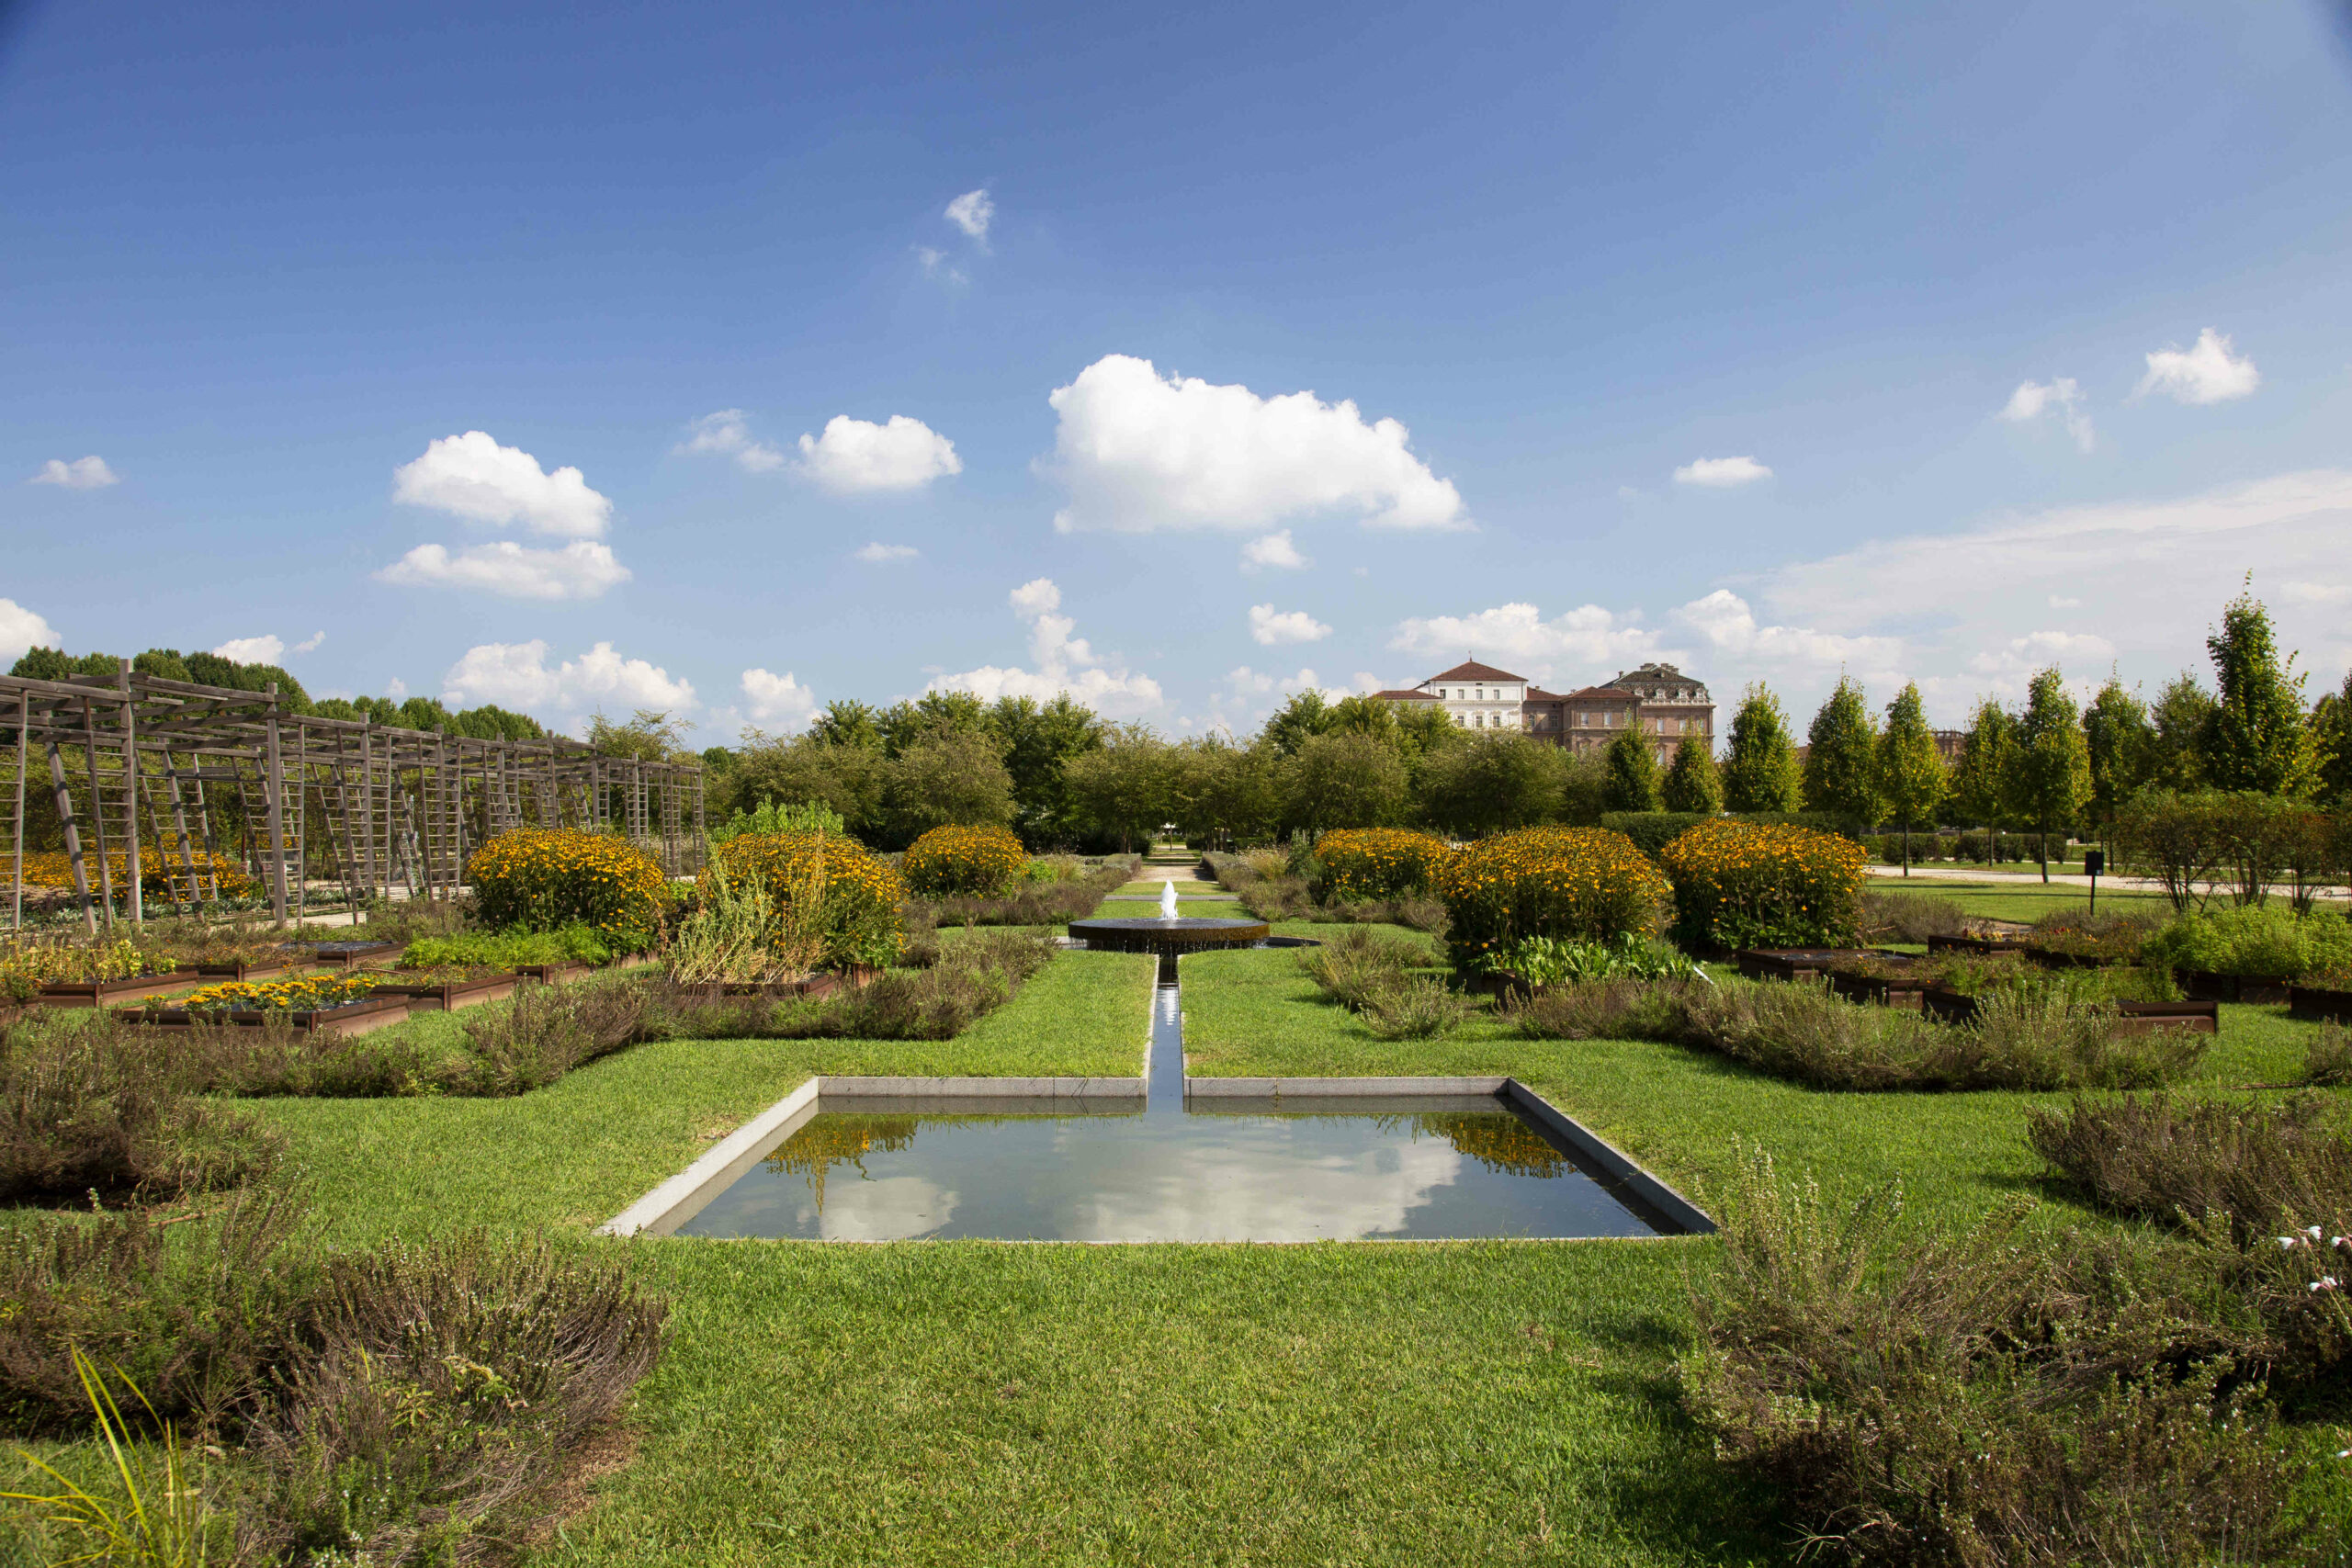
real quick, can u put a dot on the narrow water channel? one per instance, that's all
(1217, 1169)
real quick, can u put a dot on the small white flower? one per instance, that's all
(2312, 1231)
(2291, 1241)
(2324, 1282)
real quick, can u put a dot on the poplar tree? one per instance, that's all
(2121, 743)
(1692, 783)
(1632, 774)
(2257, 740)
(1759, 770)
(1841, 757)
(1910, 771)
(2048, 773)
(2332, 730)
(1976, 777)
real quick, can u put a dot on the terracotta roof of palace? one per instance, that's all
(1404, 696)
(1474, 671)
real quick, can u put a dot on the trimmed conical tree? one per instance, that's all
(1692, 781)
(1911, 780)
(2121, 742)
(1841, 757)
(2256, 739)
(1977, 779)
(1632, 774)
(1760, 771)
(2048, 779)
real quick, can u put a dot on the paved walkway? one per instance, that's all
(2033, 878)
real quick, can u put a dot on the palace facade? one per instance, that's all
(1656, 699)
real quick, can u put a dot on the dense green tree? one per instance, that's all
(1343, 781)
(1038, 739)
(1125, 787)
(1297, 721)
(164, 664)
(1911, 782)
(2121, 743)
(1422, 730)
(1841, 757)
(847, 779)
(649, 735)
(1363, 715)
(1759, 770)
(1692, 781)
(2049, 775)
(945, 777)
(1632, 774)
(1978, 792)
(2178, 721)
(2331, 733)
(2257, 740)
(1494, 781)
(1584, 787)
(846, 722)
(1225, 794)
(933, 713)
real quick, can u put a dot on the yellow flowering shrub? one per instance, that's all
(983, 862)
(546, 877)
(1377, 863)
(856, 920)
(1765, 885)
(1569, 882)
(159, 871)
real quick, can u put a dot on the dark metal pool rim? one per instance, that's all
(1180, 935)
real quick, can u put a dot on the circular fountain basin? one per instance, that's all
(1156, 935)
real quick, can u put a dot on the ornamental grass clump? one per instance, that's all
(977, 861)
(1742, 884)
(1358, 864)
(545, 877)
(1572, 884)
(831, 891)
(1992, 1394)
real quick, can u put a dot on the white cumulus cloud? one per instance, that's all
(266, 649)
(1273, 550)
(1583, 639)
(973, 212)
(81, 473)
(517, 675)
(20, 628)
(855, 456)
(1291, 625)
(1064, 663)
(580, 569)
(2207, 373)
(1721, 473)
(471, 476)
(879, 554)
(2033, 398)
(725, 432)
(777, 700)
(311, 644)
(1729, 628)
(1139, 451)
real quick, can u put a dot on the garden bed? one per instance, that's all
(1886, 990)
(96, 993)
(345, 955)
(2320, 1004)
(1979, 945)
(1952, 1007)
(242, 969)
(350, 1019)
(448, 996)
(2257, 989)
(1809, 963)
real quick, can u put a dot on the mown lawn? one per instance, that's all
(2023, 901)
(967, 1403)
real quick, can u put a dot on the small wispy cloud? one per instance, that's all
(726, 433)
(1721, 473)
(81, 473)
(879, 554)
(1273, 550)
(2061, 393)
(2207, 373)
(973, 212)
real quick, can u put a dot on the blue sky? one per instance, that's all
(1278, 345)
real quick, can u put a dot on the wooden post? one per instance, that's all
(98, 805)
(73, 838)
(132, 868)
(276, 818)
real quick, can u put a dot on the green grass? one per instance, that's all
(2025, 902)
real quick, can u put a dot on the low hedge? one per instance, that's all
(1765, 885)
(1652, 830)
(1572, 884)
(1377, 863)
(980, 862)
(2268, 940)
(857, 914)
(548, 878)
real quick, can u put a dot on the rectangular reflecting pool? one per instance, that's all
(1360, 1167)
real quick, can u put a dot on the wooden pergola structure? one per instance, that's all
(196, 774)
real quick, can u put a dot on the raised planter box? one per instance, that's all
(1987, 944)
(549, 973)
(349, 954)
(451, 994)
(1808, 963)
(352, 1018)
(2052, 958)
(2256, 989)
(265, 969)
(1895, 993)
(98, 993)
(2320, 1004)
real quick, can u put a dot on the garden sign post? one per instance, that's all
(2094, 861)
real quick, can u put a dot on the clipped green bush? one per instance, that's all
(980, 860)
(2268, 940)
(1573, 884)
(1652, 830)
(1761, 885)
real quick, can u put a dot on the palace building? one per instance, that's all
(1656, 699)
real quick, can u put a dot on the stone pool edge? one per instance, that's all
(737, 1151)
